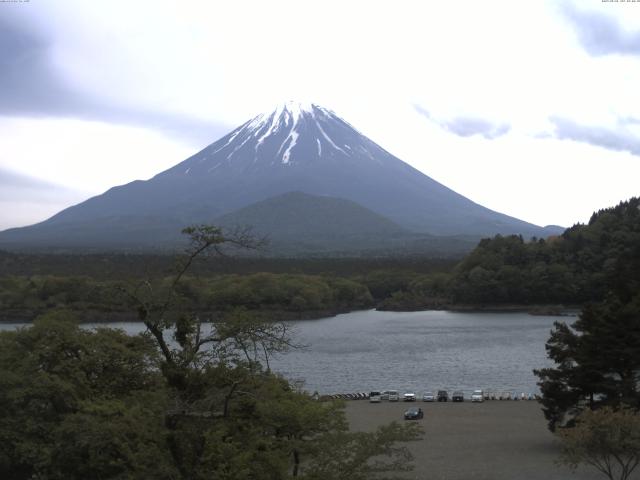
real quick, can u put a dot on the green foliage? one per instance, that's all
(422, 292)
(119, 266)
(22, 297)
(91, 285)
(581, 265)
(383, 283)
(77, 404)
(287, 292)
(606, 439)
(26, 296)
(597, 360)
(112, 439)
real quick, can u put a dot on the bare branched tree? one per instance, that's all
(185, 339)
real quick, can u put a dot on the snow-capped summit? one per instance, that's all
(290, 110)
(292, 134)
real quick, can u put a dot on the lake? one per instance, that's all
(418, 351)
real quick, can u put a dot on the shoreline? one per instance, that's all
(100, 316)
(538, 309)
(553, 310)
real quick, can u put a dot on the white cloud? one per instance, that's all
(499, 62)
(83, 155)
(25, 200)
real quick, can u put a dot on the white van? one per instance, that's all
(374, 397)
(394, 396)
(477, 396)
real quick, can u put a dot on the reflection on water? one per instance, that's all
(418, 351)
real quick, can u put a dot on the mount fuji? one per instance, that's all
(299, 148)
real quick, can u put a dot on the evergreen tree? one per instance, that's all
(598, 357)
(597, 361)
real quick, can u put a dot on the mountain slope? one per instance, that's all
(303, 148)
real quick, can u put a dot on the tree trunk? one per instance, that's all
(296, 462)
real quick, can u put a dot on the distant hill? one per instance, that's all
(315, 223)
(300, 223)
(295, 148)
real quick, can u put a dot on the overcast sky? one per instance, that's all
(530, 108)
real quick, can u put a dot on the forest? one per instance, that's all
(91, 286)
(571, 269)
(579, 266)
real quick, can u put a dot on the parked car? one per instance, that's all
(393, 396)
(428, 397)
(414, 413)
(443, 396)
(374, 397)
(477, 396)
(457, 396)
(409, 397)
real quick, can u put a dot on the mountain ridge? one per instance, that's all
(293, 148)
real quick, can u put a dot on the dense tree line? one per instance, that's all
(581, 265)
(300, 295)
(121, 266)
(26, 297)
(296, 288)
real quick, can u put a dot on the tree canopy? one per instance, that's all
(606, 439)
(597, 361)
(79, 404)
(582, 265)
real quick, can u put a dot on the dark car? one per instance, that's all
(457, 397)
(413, 413)
(442, 396)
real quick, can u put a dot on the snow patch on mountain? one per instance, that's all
(293, 136)
(287, 117)
(272, 128)
(324, 134)
(238, 147)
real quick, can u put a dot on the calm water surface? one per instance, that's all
(420, 351)
(417, 351)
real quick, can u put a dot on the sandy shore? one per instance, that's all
(494, 440)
